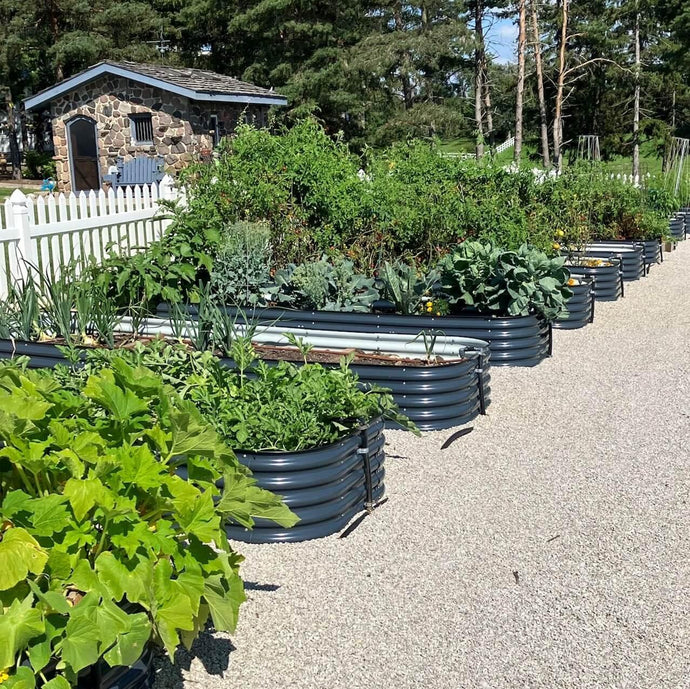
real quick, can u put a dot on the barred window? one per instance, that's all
(142, 129)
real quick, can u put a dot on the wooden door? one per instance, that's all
(83, 145)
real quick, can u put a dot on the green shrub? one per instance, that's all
(39, 165)
(510, 283)
(257, 407)
(406, 286)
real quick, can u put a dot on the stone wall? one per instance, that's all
(181, 127)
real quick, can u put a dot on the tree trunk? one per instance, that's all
(558, 114)
(404, 74)
(517, 151)
(55, 31)
(478, 75)
(488, 112)
(15, 155)
(540, 87)
(636, 111)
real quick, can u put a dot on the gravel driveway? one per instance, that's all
(548, 548)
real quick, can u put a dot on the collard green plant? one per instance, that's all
(324, 286)
(242, 264)
(406, 286)
(104, 547)
(510, 283)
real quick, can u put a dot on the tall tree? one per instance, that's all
(560, 83)
(543, 122)
(520, 90)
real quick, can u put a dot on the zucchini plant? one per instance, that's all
(105, 545)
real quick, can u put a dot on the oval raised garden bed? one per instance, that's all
(652, 249)
(325, 487)
(434, 395)
(676, 227)
(631, 258)
(580, 306)
(513, 340)
(608, 281)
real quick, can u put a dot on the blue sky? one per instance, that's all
(501, 36)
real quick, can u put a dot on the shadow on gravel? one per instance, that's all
(213, 652)
(256, 586)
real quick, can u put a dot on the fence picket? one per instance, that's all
(57, 229)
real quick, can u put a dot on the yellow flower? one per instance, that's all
(438, 313)
(4, 676)
(560, 233)
(429, 304)
(429, 309)
(556, 246)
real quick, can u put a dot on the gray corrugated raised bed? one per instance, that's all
(632, 259)
(608, 282)
(580, 306)
(325, 487)
(435, 397)
(652, 251)
(513, 340)
(676, 227)
(41, 354)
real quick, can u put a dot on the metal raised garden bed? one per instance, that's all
(580, 306)
(652, 249)
(512, 340)
(325, 487)
(608, 281)
(631, 258)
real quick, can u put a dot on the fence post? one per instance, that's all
(21, 221)
(167, 188)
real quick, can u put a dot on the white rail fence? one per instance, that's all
(45, 233)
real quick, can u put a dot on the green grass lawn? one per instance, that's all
(6, 192)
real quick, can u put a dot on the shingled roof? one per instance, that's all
(197, 84)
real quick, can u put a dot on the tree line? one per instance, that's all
(383, 70)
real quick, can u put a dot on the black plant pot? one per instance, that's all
(608, 281)
(326, 487)
(580, 306)
(513, 340)
(652, 250)
(631, 258)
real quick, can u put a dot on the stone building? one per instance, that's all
(118, 111)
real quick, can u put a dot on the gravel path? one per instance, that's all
(549, 548)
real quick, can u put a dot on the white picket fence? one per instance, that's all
(43, 233)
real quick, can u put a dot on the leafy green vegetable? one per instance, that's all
(509, 283)
(103, 546)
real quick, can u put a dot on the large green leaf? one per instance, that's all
(200, 517)
(20, 554)
(23, 678)
(19, 624)
(121, 403)
(50, 514)
(83, 494)
(224, 605)
(80, 646)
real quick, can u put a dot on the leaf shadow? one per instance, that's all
(211, 650)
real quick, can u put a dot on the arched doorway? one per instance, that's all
(82, 139)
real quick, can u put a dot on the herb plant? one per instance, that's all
(255, 406)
